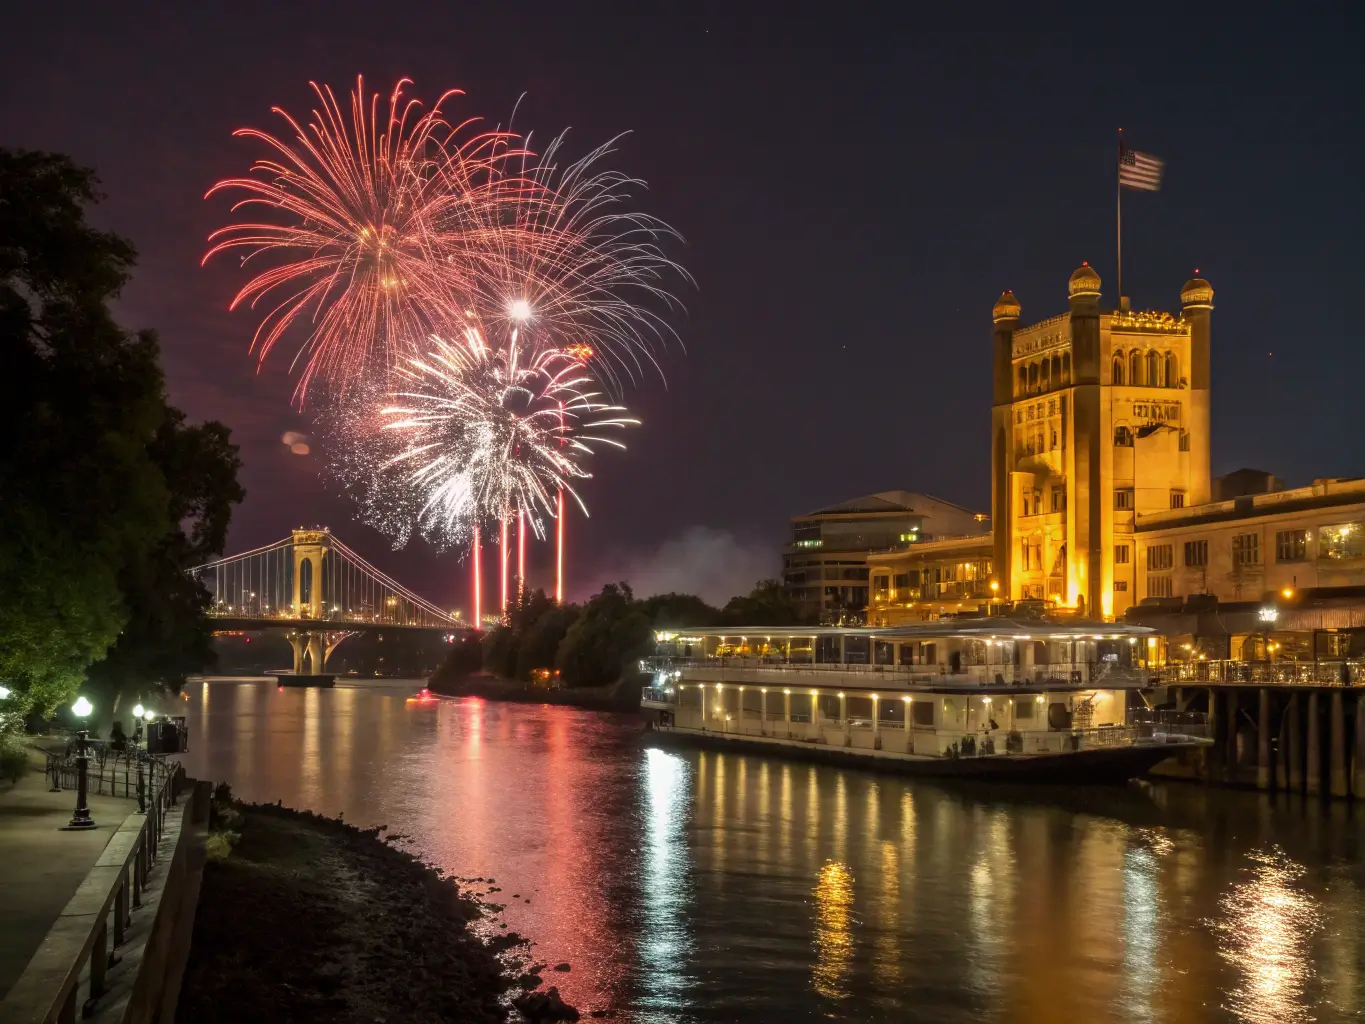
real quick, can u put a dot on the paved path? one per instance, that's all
(42, 866)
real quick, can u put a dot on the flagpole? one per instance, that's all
(1118, 173)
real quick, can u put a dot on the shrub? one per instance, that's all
(13, 758)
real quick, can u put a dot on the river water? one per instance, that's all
(691, 885)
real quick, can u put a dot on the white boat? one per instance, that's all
(992, 697)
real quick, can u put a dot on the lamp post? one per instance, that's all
(81, 820)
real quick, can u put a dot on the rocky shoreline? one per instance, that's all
(303, 918)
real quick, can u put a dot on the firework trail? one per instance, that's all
(375, 228)
(475, 434)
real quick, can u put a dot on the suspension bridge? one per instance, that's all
(318, 590)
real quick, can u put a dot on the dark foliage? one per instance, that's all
(610, 634)
(97, 471)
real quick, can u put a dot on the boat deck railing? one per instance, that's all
(1340, 672)
(777, 672)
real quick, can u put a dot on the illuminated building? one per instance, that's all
(1101, 492)
(1099, 417)
(825, 563)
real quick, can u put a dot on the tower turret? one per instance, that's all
(1196, 300)
(1005, 316)
(1083, 290)
(1005, 319)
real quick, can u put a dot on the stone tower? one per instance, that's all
(1098, 416)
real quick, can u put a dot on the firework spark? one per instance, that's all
(378, 228)
(581, 271)
(476, 434)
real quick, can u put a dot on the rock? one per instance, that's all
(562, 967)
(544, 1006)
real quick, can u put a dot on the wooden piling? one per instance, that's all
(1340, 787)
(1313, 770)
(1263, 739)
(1294, 742)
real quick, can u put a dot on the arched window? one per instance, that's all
(1123, 437)
(1066, 367)
(1056, 371)
(1023, 380)
(1118, 371)
(1135, 367)
(1033, 376)
(1044, 380)
(1153, 369)
(1172, 370)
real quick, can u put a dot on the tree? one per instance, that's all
(610, 634)
(502, 644)
(465, 658)
(768, 604)
(674, 610)
(89, 500)
(540, 641)
(167, 635)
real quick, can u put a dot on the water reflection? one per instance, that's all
(833, 930)
(665, 943)
(694, 886)
(1264, 932)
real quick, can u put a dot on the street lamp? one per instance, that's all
(81, 820)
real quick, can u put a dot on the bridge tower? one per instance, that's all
(309, 548)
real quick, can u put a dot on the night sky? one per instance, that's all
(855, 189)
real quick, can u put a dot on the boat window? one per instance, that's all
(924, 712)
(928, 654)
(857, 650)
(907, 654)
(884, 653)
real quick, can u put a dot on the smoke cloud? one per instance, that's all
(713, 564)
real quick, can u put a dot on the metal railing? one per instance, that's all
(804, 673)
(110, 900)
(1342, 672)
(1163, 724)
(126, 773)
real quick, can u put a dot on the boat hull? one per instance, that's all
(1099, 765)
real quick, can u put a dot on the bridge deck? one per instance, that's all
(232, 622)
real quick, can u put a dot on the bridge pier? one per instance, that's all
(308, 644)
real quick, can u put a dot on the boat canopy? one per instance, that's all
(978, 629)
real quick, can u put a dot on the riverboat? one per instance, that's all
(998, 698)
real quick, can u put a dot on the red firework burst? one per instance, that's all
(381, 228)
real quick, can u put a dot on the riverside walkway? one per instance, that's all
(44, 865)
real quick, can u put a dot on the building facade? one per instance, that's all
(825, 562)
(1255, 547)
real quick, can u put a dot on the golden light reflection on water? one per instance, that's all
(833, 930)
(1263, 931)
(690, 885)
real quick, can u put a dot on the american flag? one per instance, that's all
(1141, 171)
